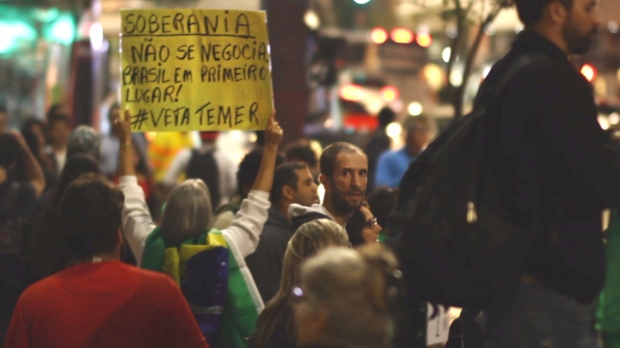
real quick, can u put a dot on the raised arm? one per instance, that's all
(247, 226)
(33, 169)
(137, 221)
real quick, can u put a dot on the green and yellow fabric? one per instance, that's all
(207, 270)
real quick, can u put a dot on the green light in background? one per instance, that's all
(12, 32)
(61, 30)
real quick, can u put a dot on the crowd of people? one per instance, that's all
(117, 241)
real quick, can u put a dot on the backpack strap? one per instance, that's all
(485, 101)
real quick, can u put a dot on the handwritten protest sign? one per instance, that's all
(195, 69)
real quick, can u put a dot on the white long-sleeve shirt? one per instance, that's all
(242, 235)
(227, 170)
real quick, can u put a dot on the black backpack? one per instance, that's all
(457, 244)
(204, 166)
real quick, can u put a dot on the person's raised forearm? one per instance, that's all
(122, 129)
(33, 169)
(273, 136)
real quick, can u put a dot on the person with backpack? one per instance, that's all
(207, 264)
(208, 163)
(502, 212)
(15, 199)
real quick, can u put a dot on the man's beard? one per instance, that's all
(578, 43)
(340, 204)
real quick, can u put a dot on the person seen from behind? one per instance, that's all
(99, 301)
(15, 198)
(275, 326)
(348, 299)
(208, 264)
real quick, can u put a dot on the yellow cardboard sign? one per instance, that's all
(186, 69)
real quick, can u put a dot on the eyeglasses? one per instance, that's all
(372, 222)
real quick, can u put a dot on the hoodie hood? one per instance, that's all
(301, 214)
(295, 210)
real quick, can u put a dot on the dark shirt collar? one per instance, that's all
(275, 216)
(531, 41)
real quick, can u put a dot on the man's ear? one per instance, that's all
(323, 179)
(557, 13)
(288, 193)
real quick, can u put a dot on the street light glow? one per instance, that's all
(589, 72)
(378, 35)
(402, 35)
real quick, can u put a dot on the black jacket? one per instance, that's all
(556, 168)
(266, 262)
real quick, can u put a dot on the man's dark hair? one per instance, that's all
(385, 117)
(328, 158)
(531, 11)
(9, 150)
(58, 118)
(285, 175)
(90, 216)
(3, 109)
(248, 168)
(301, 153)
(382, 202)
(355, 226)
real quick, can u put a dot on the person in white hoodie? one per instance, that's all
(185, 246)
(344, 174)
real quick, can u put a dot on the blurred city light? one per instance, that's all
(435, 76)
(96, 36)
(351, 92)
(589, 72)
(389, 93)
(452, 31)
(613, 27)
(394, 130)
(614, 119)
(361, 2)
(402, 35)
(415, 108)
(424, 39)
(445, 55)
(603, 122)
(12, 32)
(378, 35)
(456, 78)
(62, 30)
(312, 20)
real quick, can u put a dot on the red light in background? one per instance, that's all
(351, 92)
(402, 35)
(378, 35)
(589, 72)
(424, 39)
(389, 94)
